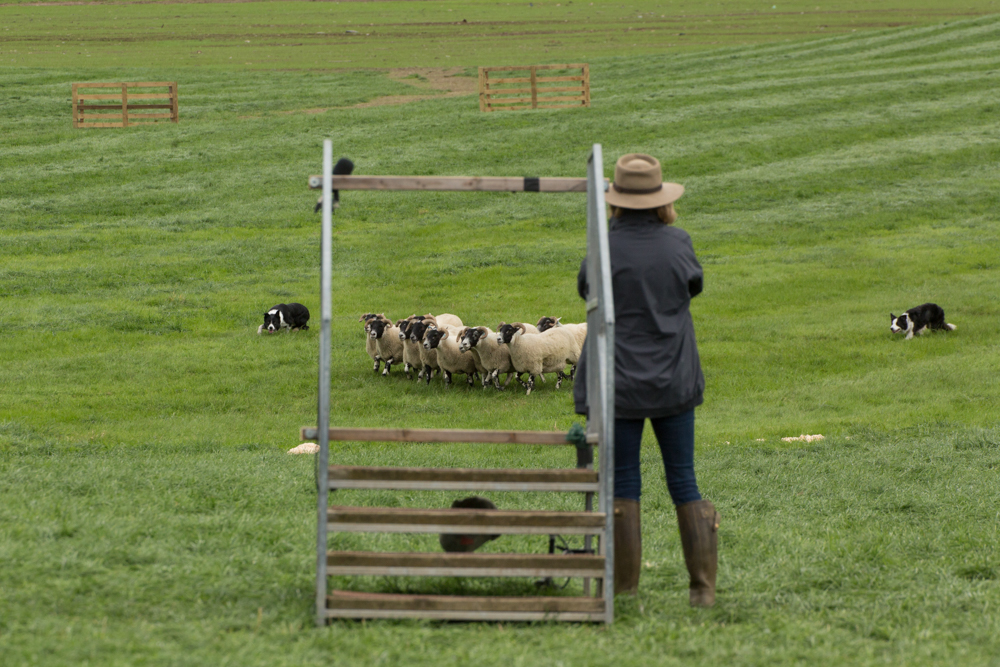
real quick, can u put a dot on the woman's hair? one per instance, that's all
(666, 214)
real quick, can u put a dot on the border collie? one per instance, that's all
(920, 319)
(290, 316)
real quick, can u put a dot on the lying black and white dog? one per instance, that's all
(285, 316)
(920, 319)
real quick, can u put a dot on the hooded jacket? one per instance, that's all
(654, 275)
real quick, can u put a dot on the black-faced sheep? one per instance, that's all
(411, 349)
(537, 354)
(370, 346)
(579, 332)
(428, 358)
(482, 343)
(387, 342)
(450, 358)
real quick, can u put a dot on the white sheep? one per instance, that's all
(450, 357)
(537, 354)
(411, 349)
(388, 344)
(428, 358)
(370, 346)
(481, 342)
(579, 332)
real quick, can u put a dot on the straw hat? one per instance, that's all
(639, 184)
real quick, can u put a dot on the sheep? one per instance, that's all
(370, 345)
(411, 349)
(428, 358)
(579, 332)
(537, 354)
(450, 358)
(481, 342)
(444, 320)
(388, 344)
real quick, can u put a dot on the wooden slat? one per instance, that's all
(440, 434)
(138, 84)
(509, 68)
(146, 116)
(507, 91)
(101, 97)
(486, 479)
(463, 521)
(349, 604)
(510, 100)
(560, 89)
(102, 125)
(449, 183)
(150, 96)
(561, 106)
(85, 116)
(375, 563)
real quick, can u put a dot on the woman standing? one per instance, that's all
(655, 274)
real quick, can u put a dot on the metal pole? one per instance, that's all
(601, 360)
(323, 408)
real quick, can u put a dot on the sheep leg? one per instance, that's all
(406, 369)
(531, 383)
(378, 361)
(388, 365)
(496, 379)
(447, 377)
(572, 372)
(510, 376)
(562, 376)
(427, 373)
(471, 378)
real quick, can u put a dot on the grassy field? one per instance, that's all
(350, 34)
(148, 513)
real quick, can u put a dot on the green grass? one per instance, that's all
(147, 508)
(442, 33)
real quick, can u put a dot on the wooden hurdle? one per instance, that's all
(91, 109)
(596, 604)
(509, 93)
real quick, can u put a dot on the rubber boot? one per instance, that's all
(628, 546)
(699, 525)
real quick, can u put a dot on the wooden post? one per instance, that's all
(534, 88)
(586, 85)
(482, 90)
(174, 112)
(76, 108)
(124, 105)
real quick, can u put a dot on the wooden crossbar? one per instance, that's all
(350, 604)
(439, 435)
(380, 563)
(461, 520)
(495, 92)
(453, 183)
(454, 479)
(84, 104)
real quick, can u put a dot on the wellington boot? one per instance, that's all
(628, 546)
(699, 525)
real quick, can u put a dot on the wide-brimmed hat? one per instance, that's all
(639, 184)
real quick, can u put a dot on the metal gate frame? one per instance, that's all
(600, 321)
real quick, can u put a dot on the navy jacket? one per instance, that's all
(655, 274)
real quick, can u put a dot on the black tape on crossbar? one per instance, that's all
(531, 184)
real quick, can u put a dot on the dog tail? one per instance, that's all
(950, 327)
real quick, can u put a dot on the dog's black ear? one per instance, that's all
(891, 316)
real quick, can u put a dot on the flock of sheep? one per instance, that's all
(433, 343)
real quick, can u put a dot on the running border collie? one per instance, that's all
(918, 320)
(290, 316)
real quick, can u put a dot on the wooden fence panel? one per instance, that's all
(498, 89)
(132, 108)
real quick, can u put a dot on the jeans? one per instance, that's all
(676, 437)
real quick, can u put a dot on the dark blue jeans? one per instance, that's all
(676, 437)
